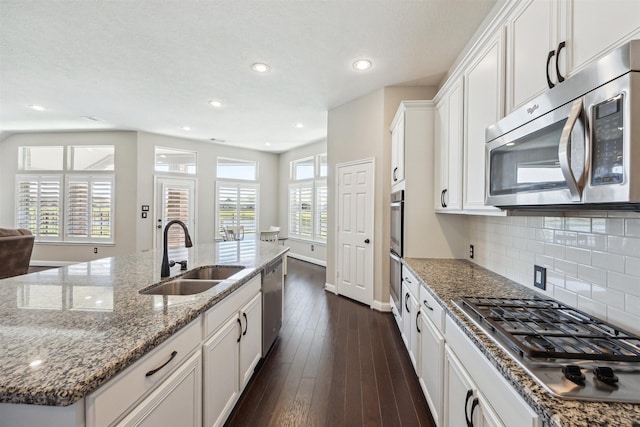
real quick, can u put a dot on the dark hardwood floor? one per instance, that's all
(335, 363)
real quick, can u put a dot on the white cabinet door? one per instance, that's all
(532, 33)
(431, 366)
(593, 36)
(177, 402)
(448, 190)
(407, 316)
(397, 152)
(251, 341)
(221, 372)
(484, 88)
(484, 415)
(459, 391)
(414, 341)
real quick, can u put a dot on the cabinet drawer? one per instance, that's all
(216, 315)
(509, 405)
(431, 308)
(114, 399)
(410, 281)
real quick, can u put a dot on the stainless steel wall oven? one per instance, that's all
(397, 233)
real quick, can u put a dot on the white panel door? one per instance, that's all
(355, 231)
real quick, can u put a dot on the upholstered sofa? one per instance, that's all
(15, 251)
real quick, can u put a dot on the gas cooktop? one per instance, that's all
(568, 352)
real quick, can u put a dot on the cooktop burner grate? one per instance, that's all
(545, 328)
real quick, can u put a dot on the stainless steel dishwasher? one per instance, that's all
(271, 303)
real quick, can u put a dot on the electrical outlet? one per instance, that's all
(95, 250)
(540, 277)
(312, 248)
(471, 251)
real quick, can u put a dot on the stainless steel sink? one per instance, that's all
(195, 281)
(213, 272)
(181, 287)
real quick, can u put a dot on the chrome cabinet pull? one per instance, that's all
(153, 371)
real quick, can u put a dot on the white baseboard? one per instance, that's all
(381, 306)
(307, 259)
(330, 288)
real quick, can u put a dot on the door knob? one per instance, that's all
(366, 241)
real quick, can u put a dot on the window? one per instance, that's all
(308, 198)
(237, 169)
(69, 206)
(174, 160)
(237, 204)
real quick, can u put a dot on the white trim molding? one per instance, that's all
(381, 306)
(330, 288)
(307, 259)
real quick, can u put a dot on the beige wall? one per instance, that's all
(135, 187)
(360, 130)
(125, 202)
(307, 250)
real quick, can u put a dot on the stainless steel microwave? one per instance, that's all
(578, 145)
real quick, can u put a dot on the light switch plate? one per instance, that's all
(540, 277)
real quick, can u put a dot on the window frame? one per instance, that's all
(255, 163)
(317, 183)
(174, 173)
(238, 185)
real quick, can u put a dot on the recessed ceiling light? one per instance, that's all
(36, 107)
(260, 67)
(215, 104)
(299, 125)
(268, 144)
(187, 128)
(362, 64)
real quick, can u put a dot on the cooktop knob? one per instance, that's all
(605, 374)
(574, 374)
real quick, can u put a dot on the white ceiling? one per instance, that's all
(153, 65)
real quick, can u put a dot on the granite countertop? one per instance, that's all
(64, 332)
(452, 279)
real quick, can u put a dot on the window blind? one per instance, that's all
(321, 220)
(301, 209)
(89, 208)
(237, 205)
(176, 206)
(39, 205)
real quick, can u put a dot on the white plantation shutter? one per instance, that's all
(237, 204)
(39, 205)
(301, 209)
(177, 205)
(322, 198)
(89, 208)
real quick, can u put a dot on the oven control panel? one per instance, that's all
(607, 142)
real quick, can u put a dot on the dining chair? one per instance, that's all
(269, 236)
(234, 232)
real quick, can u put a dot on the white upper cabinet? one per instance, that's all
(397, 150)
(597, 27)
(448, 150)
(483, 106)
(532, 45)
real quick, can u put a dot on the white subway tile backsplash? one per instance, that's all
(595, 242)
(578, 286)
(610, 297)
(632, 227)
(632, 266)
(628, 321)
(624, 283)
(566, 267)
(592, 258)
(592, 274)
(578, 224)
(565, 296)
(608, 226)
(608, 261)
(592, 307)
(581, 256)
(629, 246)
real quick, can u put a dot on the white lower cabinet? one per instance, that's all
(476, 394)
(231, 351)
(431, 365)
(175, 403)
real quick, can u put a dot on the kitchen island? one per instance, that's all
(449, 280)
(66, 332)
